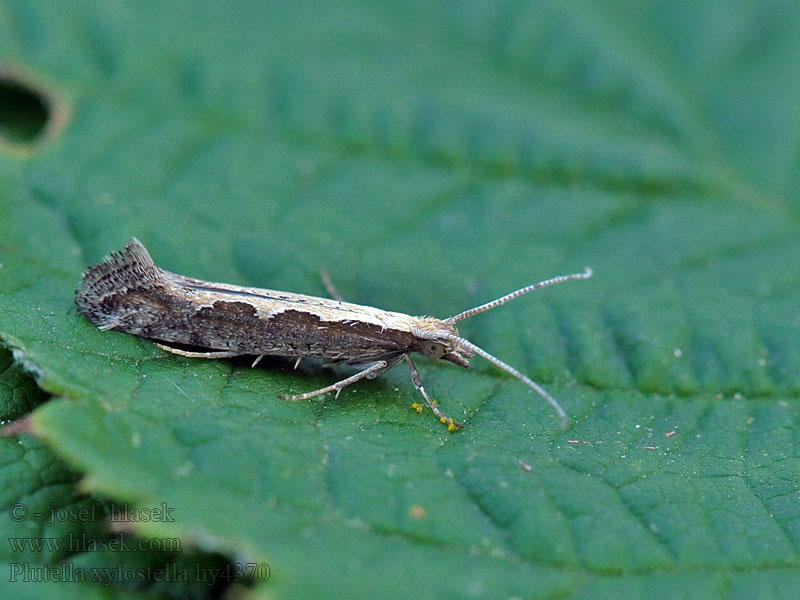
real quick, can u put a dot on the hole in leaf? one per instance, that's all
(28, 112)
(23, 114)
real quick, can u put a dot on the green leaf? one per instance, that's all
(432, 157)
(54, 534)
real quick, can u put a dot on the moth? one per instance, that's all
(128, 292)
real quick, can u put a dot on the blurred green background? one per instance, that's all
(431, 156)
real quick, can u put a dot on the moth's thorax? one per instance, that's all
(431, 328)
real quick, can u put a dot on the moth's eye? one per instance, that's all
(433, 349)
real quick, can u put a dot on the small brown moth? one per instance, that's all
(128, 292)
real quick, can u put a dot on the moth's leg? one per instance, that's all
(451, 424)
(209, 354)
(338, 386)
(332, 291)
(389, 366)
(257, 360)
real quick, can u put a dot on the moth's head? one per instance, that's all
(439, 340)
(435, 341)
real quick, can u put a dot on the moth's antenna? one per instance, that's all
(509, 369)
(587, 273)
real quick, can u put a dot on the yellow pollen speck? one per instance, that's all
(417, 407)
(451, 426)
